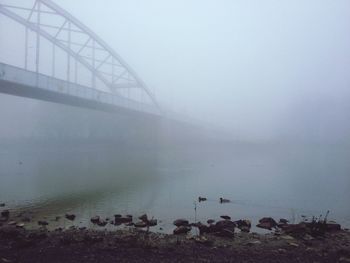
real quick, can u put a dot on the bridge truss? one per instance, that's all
(83, 49)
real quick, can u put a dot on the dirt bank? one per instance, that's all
(82, 245)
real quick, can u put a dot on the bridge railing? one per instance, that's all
(17, 75)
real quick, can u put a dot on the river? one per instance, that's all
(278, 180)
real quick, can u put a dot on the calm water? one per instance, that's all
(261, 180)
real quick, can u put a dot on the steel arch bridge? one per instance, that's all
(95, 76)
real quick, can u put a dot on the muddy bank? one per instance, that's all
(133, 245)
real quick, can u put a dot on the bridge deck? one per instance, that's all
(19, 82)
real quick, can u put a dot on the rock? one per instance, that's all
(140, 224)
(152, 222)
(244, 225)
(26, 219)
(12, 223)
(182, 230)
(225, 224)
(254, 242)
(267, 223)
(143, 218)
(226, 233)
(283, 221)
(333, 227)
(264, 225)
(269, 220)
(70, 217)
(202, 228)
(295, 229)
(287, 237)
(123, 219)
(57, 218)
(20, 225)
(95, 219)
(307, 237)
(101, 223)
(293, 244)
(181, 222)
(2, 204)
(202, 199)
(203, 240)
(117, 216)
(226, 217)
(5, 213)
(282, 250)
(5, 260)
(42, 223)
(210, 221)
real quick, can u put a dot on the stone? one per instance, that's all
(224, 224)
(267, 223)
(70, 217)
(203, 229)
(210, 221)
(293, 244)
(20, 225)
(226, 233)
(226, 217)
(140, 224)
(182, 230)
(333, 227)
(26, 219)
(42, 223)
(122, 220)
(264, 225)
(101, 223)
(244, 225)
(254, 242)
(12, 223)
(95, 219)
(287, 237)
(5, 213)
(2, 204)
(180, 222)
(283, 221)
(143, 218)
(152, 222)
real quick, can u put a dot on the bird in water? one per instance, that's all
(223, 200)
(202, 199)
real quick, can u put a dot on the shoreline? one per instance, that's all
(221, 241)
(84, 245)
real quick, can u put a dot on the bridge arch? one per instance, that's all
(90, 51)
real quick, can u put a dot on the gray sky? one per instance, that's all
(261, 68)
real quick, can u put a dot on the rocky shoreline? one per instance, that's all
(223, 241)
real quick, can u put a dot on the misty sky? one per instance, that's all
(261, 68)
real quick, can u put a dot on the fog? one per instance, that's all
(263, 69)
(256, 103)
(271, 70)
